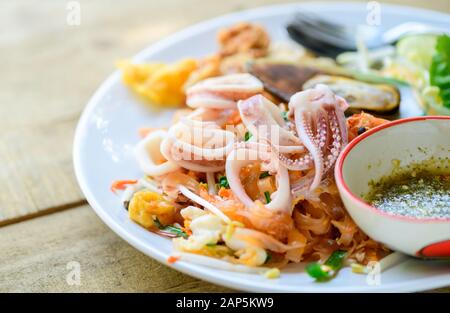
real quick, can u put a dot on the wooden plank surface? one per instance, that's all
(49, 71)
(39, 250)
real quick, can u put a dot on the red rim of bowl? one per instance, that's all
(340, 162)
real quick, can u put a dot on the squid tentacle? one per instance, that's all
(319, 119)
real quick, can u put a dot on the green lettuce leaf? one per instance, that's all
(440, 69)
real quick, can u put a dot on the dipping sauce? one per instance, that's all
(418, 192)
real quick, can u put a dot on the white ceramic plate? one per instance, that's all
(108, 128)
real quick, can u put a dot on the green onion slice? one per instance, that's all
(170, 229)
(267, 195)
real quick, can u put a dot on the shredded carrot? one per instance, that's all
(234, 119)
(121, 184)
(144, 131)
(172, 259)
(225, 193)
(186, 230)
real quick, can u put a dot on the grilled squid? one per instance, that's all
(149, 157)
(223, 92)
(240, 157)
(219, 117)
(265, 121)
(198, 146)
(320, 123)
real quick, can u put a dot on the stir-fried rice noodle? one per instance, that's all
(253, 180)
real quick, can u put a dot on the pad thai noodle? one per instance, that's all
(242, 181)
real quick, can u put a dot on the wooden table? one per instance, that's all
(49, 70)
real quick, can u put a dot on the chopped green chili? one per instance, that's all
(223, 182)
(326, 271)
(264, 175)
(170, 229)
(247, 136)
(284, 114)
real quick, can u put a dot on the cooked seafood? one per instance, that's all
(197, 146)
(380, 98)
(283, 80)
(320, 122)
(246, 179)
(295, 149)
(280, 200)
(245, 38)
(149, 156)
(265, 121)
(222, 92)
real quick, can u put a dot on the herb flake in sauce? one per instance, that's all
(417, 191)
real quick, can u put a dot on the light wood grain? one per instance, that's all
(35, 254)
(36, 174)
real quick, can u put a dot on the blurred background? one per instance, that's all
(49, 71)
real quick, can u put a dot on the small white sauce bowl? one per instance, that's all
(369, 157)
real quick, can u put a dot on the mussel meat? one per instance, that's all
(379, 98)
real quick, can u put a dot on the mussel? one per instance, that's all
(282, 79)
(379, 98)
(285, 79)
